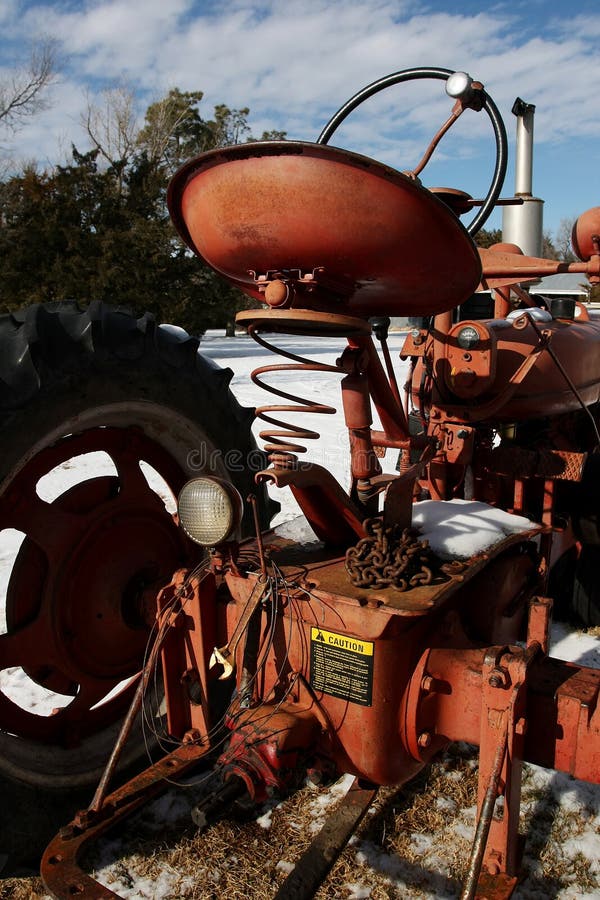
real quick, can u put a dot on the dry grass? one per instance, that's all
(22, 889)
(413, 843)
(237, 859)
(553, 830)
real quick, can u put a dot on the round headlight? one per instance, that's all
(467, 337)
(210, 510)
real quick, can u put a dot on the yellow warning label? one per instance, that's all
(342, 641)
(341, 665)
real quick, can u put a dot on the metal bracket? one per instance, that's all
(60, 868)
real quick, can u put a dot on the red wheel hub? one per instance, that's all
(74, 609)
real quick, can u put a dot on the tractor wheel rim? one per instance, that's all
(74, 616)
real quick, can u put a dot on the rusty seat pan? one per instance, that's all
(382, 243)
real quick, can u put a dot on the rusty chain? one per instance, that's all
(391, 556)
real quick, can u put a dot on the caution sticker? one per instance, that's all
(341, 665)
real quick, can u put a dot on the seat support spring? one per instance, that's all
(283, 441)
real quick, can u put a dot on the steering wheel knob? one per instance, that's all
(459, 86)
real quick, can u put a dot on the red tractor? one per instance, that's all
(417, 613)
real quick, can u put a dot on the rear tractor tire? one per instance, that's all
(103, 417)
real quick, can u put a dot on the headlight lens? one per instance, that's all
(210, 510)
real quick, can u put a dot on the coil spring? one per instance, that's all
(282, 444)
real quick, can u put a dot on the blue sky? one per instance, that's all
(293, 62)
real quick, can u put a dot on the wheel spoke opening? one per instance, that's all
(30, 695)
(92, 463)
(10, 544)
(73, 615)
(31, 712)
(158, 484)
(73, 471)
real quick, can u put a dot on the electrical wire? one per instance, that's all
(220, 733)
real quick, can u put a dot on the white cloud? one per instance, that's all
(301, 59)
(293, 62)
(8, 9)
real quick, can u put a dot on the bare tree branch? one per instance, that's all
(23, 94)
(163, 120)
(112, 126)
(563, 239)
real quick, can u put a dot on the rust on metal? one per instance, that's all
(484, 822)
(132, 713)
(391, 556)
(356, 219)
(225, 655)
(360, 651)
(315, 864)
(60, 868)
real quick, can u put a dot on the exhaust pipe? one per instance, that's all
(523, 225)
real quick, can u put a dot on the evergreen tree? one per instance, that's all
(485, 238)
(98, 228)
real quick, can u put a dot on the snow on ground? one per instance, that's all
(571, 804)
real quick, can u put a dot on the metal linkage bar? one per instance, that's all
(61, 870)
(315, 863)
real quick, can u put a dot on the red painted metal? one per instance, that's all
(332, 515)
(486, 371)
(586, 234)
(75, 613)
(61, 867)
(274, 207)
(502, 268)
(360, 738)
(185, 660)
(331, 674)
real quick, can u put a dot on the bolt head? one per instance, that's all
(427, 683)
(498, 678)
(424, 739)
(521, 726)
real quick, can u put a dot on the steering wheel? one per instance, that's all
(459, 85)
